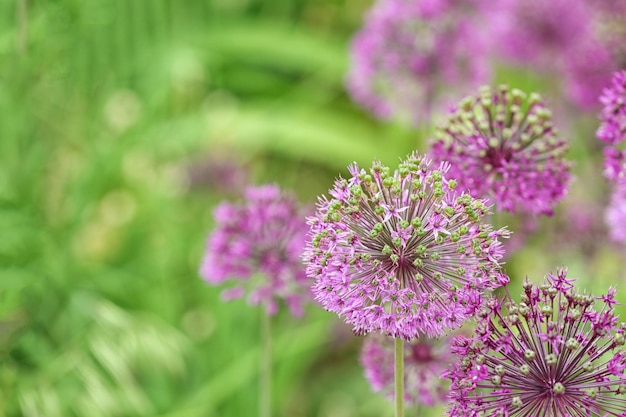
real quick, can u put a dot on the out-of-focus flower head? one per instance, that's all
(424, 360)
(553, 352)
(591, 61)
(402, 252)
(578, 228)
(579, 42)
(409, 52)
(502, 145)
(258, 244)
(218, 173)
(612, 130)
(615, 215)
(586, 72)
(537, 33)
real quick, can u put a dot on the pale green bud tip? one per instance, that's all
(558, 389)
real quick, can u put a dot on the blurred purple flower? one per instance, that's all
(612, 129)
(592, 61)
(587, 71)
(424, 360)
(409, 51)
(218, 173)
(551, 354)
(258, 243)
(612, 132)
(502, 145)
(402, 252)
(615, 215)
(580, 42)
(537, 33)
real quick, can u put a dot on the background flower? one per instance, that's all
(424, 360)
(259, 242)
(612, 130)
(502, 145)
(615, 215)
(409, 53)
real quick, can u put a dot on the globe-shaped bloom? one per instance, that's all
(552, 354)
(537, 33)
(402, 252)
(424, 361)
(590, 62)
(408, 52)
(258, 244)
(502, 145)
(577, 42)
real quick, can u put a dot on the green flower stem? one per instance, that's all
(399, 376)
(265, 380)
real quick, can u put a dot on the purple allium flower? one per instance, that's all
(590, 61)
(218, 172)
(579, 42)
(402, 252)
(502, 145)
(407, 50)
(615, 215)
(614, 164)
(552, 354)
(587, 71)
(612, 129)
(537, 33)
(424, 360)
(578, 228)
(259, 242)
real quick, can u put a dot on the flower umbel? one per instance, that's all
(424, 360)
(502, 145)
(402, 252)
(408, 50)
(259, 242)
(553, 353)
(612, 129)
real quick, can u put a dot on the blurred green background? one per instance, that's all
(115, 116)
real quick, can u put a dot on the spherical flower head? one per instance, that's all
(502, 145)
(554, 353)
(424, 361)
(402, 252)
(591, 61)
(536, 32)
(612, 130)
(258, 243)
(408, 50)
(586, 72)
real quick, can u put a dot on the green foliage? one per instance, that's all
(103, 107)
